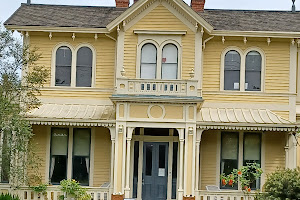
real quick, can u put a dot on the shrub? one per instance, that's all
(40, 189)
(73, 189)
(8, 197)
(282, 184)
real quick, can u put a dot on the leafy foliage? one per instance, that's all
(282, 184)
(40, 189)
(73, 189)
(8, 197)
(244, 176)
(17, 96)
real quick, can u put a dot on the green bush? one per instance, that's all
(73, 189)
(282, 184)
(8, 197)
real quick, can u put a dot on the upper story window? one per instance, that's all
(73, 67)
(169, 66)
(159, 62)
(148, 61)
(242, 71)
(63, 66)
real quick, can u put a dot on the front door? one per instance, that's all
(155, 171)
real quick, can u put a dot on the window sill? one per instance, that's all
(249, 93)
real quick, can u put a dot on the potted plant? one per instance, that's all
(40, 189)
(72, 190)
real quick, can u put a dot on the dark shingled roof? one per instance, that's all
(100, 17)
(64, 16)
(253, 20)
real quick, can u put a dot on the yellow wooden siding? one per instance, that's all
(39, 144)
(160, 18)
(208, 154)
(105, 58)
(102, 156)
(274, 151)
(75, 94)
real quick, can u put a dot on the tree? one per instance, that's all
(18, 94)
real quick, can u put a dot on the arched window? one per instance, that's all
(169, 66)
(232, 70)
(63, 65)
(148, 61)
(84, 65)
(253, 71)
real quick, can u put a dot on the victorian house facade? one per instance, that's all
(156, 100)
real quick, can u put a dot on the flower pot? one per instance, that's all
(188, 198)
(117, 197)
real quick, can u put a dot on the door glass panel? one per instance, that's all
(162, 160)
(174, 170)
(149, 149)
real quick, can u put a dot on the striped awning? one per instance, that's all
(242, 119)
(73, 114)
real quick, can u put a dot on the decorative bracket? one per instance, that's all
(50, 35)
(268, 41)
(73, 36)
(245, 40)
(223, 39)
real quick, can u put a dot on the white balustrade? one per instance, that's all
(53, 193)
(157, 87)
(225, 195)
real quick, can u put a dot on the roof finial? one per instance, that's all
(293, 7)
(28, 2)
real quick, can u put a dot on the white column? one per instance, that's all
(292, 151)
(112, 161)
(127, 187)
(198, 59)
(197, 162)
(180, 180)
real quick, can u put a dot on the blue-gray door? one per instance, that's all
(155, 171)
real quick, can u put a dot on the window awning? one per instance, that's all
(73, 114)
(242, 119)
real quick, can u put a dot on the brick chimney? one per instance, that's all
(198, 5)
(122, 3)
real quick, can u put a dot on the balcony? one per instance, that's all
(182, 88)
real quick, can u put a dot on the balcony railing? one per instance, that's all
(157, 87)
(225, 195)
(53, 193)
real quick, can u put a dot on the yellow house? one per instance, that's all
(156, 100)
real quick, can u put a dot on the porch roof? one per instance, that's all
(73, 114)
(242, 119)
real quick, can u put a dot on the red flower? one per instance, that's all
(230, 182)
(245, 187)
(224, 182)
(239, 173)
(248, 189)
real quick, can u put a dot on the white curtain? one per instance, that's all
(87, 162)
(52, 166)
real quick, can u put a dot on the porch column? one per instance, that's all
(129, 137)
(180, 179)
(197, 163)
(112, 161)
(291, 151)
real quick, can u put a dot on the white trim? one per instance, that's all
(48, 152)
(57, 29)
(243, 55)
(293, 82)
(272, 34)
(255, 127)
(160, 32)
(70, 153)
(263, 160)
(218, 167)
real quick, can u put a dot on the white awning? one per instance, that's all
(73, 114)
(242, 119)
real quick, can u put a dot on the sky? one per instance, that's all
(8, 7)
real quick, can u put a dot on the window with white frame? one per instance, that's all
(80, 139)
(231, 157)
(242, 72)
(74, 68)
(152, 68)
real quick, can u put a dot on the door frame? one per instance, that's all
(145, 138)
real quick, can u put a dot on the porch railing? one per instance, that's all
(53, 193)
(225, 195)
(157, 87)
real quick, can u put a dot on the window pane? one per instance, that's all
(59, 141)
(63, 66)
(252, 143)
(174, 170)
(81, 155)
(82, 142)
(148, 61)
(84, 67)
(229, 154)
(59, 152)
(232, 71)
(149, 150)
(253, 71)
(169, 62)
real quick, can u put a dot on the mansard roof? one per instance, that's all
(40, 15)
